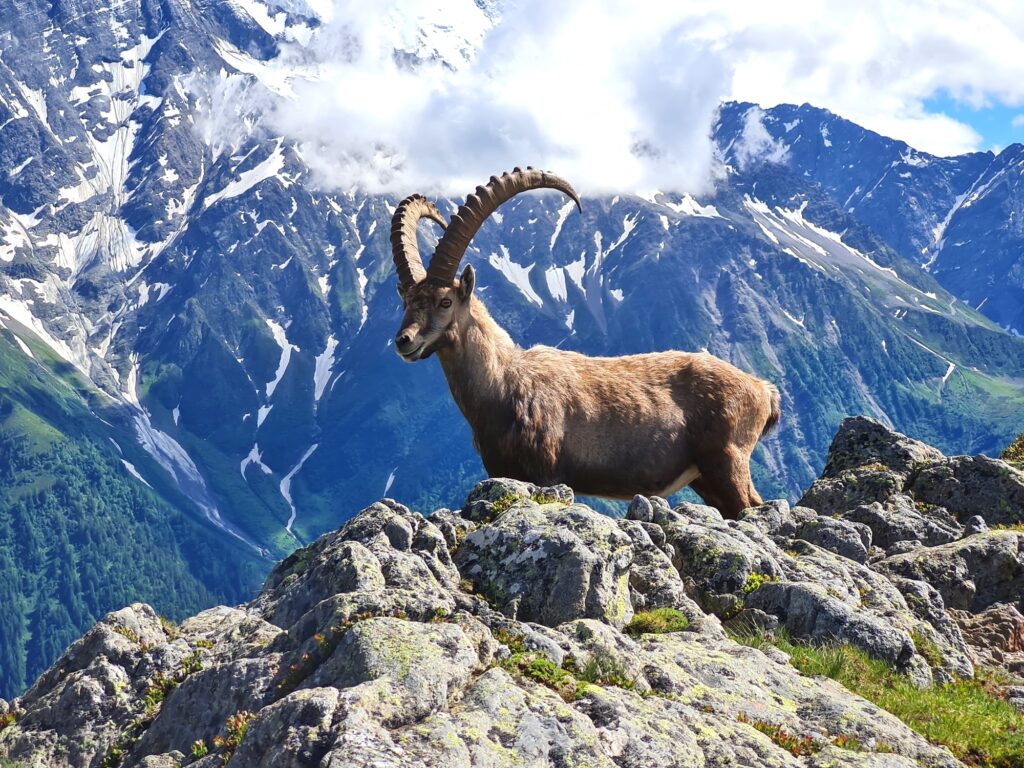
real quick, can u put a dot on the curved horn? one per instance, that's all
(404, 249)
(474, 212)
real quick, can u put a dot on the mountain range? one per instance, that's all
(197, 370)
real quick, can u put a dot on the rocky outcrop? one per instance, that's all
(995, 636)
(516, 631)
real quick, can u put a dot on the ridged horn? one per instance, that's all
(405, 249)
(474, 212)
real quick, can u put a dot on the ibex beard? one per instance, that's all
(606, 426)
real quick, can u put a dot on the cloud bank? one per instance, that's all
(601, 99)
(437, 95)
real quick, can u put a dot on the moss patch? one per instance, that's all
(540, 669)
(756, 581)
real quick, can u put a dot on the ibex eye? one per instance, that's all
(446, 303)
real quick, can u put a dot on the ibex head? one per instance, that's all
(435, 301)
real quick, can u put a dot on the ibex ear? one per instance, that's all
(467, 282)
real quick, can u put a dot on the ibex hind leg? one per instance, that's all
(726, 484)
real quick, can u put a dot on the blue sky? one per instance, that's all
(994, 123)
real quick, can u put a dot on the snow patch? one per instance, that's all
(390, 481)
(322, 370)
(286, 485)
(246, 180)
(516, 274)
(563, 214)
(793, 318)
(949, 372)
(22, 313)
(255, 456)
(688, 206)
(575, 270)
(134, 472)
(555, 279)
(262, 414)
(286, 355)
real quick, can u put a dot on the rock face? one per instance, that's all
(500, 634)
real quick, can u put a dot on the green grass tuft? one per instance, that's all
(657, 622)
(602, 668)
(931, 652)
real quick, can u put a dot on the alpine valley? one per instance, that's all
(196, 375)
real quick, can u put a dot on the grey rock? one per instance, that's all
(834, 757)
(77, 709)
(902, 547)
(501, 721)
(685, 512)
(606, 651)
(453, 526)
(490, 498)
(719, 681)
(718, 560)
(973, 485)
(995, 636)
(862, 441)
(295, 731)
(900, 521)
(975, 524)
(639, 734)
(640, 509)
(424, 663)
(1015, 695)
(169, 760)
(939, 627)
(550, 564)
(970, 574)
(834, 495)
(775, 518)
(809, 612)
(653, 582)
(752, 620)
(848, 539)
(367, 649)
(385, 547)
(231, 633)
(199, 708)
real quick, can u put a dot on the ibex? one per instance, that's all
(605, 426)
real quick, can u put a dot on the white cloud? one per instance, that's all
(605, 99)
(614, 94)
(876, 62)
(1018, 121)
(756, 144)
